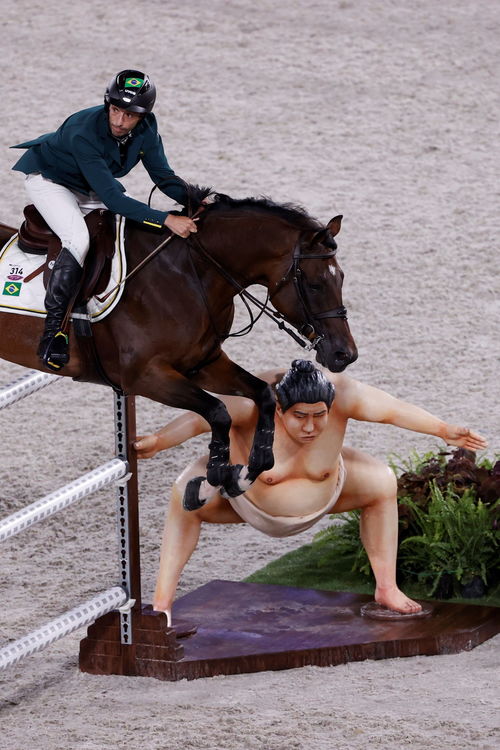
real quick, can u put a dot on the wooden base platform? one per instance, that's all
(251, 627)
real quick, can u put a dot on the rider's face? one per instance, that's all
(122, 122)
(304, 422)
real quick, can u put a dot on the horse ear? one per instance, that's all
(319, 237)
(334, 225)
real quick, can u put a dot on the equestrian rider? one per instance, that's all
(74, 170)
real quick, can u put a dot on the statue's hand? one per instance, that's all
(463, 437)
(146, 446)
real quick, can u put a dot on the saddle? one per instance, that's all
(36, 237)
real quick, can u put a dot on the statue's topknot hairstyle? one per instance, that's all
(304, 383)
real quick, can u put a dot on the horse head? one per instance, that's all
(285, 249)
(309, 296)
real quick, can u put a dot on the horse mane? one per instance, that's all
(292, 213)
(196, 194)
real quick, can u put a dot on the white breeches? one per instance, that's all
(63, 210)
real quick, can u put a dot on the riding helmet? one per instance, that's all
(131, 90)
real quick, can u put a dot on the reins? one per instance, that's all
(145, 260)
(253, 320)
(274, 315)
(306, 336)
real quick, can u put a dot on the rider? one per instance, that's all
(73, 170)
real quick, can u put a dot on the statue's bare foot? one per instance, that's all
(394, 599)
(167, 611)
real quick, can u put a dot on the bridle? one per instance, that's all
(296, 275)
(307, 335)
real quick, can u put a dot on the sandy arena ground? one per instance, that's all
(381, 110)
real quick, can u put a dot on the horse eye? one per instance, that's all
(314, 288)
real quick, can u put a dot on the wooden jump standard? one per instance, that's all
(114, 471)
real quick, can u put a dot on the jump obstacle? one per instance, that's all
(240, 627)
(115, 471)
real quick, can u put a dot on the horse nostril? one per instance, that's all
(348, 357)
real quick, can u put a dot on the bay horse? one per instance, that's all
(163, 340)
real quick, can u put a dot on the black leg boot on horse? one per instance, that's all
(53, 349)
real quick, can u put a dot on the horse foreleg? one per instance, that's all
(226, 377)
(163, 384)
(261, 456)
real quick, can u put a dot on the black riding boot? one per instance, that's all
(53, 349)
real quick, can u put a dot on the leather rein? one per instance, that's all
(306, 335)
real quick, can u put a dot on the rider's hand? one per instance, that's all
(463, 437)
(146, 446)
(180, 225)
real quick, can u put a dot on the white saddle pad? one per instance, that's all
(27, 298)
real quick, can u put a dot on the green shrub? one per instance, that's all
(455, 538)
(449, 524)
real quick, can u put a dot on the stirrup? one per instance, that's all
(56, 354)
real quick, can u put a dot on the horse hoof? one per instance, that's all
(261, 459)
(54, 366)
(192, 499)
(237, 480)
(244, 480)
(198, 492)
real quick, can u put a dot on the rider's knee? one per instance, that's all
(176, 508)
(77, 242)
(195, 469)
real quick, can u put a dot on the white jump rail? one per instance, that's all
(114, 471)
(108, 473)
(63, 625)
(23, 386)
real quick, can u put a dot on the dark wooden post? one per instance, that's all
(130, 641)
(128, 521)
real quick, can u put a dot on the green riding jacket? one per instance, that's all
(83, 156)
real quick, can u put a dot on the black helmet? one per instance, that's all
(131, 90)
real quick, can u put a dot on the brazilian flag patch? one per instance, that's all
(133, 83)
(12, 288)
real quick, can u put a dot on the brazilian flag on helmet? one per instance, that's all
(133, 83)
